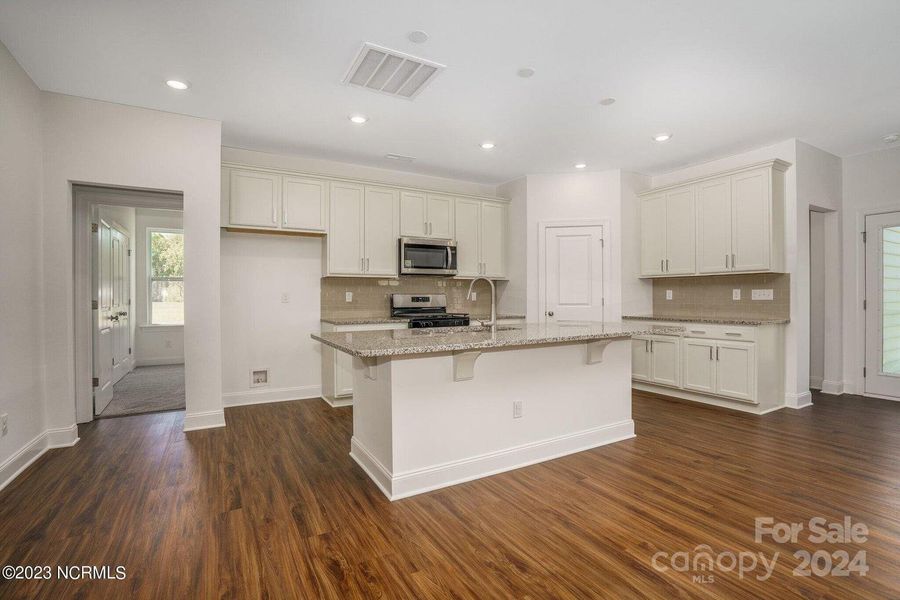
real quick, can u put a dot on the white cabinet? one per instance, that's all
(426, 215)
(468, 237)
(255, 199)
(481, 238)
(667, 233)
(363, 230)
(381, 218)
(640, 358)
(303, 203)
(727, 223)
(655, 359)
(345, 236)
(337, 367)
(735, 370)
(699, 365)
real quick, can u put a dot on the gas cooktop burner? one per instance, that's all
(440, 320)
(426, 310)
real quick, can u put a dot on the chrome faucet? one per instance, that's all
(493, 320)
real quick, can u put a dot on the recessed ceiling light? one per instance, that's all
(607, 101)
(487, 145)
(358, 119)
(178, 85)
(662, 137)
(890, 139)
(418, 37)
(580, 165)
(525, 72)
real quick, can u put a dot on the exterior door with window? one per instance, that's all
(574, 273)
(882, 375)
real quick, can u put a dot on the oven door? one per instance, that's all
(420, 256)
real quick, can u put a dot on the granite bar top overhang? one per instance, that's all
(406, 342)
(710, 320)
(382, 320)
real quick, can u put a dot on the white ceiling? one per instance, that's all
(722, 76)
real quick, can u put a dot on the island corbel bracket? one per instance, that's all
(464, 365)
(371, 365)
(595, 350)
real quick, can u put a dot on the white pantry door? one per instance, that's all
(574, 267)
(102, 312)
(882, 375)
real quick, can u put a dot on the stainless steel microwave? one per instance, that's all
(425, 256)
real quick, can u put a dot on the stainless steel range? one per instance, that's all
(426, 310)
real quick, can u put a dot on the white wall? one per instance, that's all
(87, 141)
(513, 293)
(637, 294)
(259, 330)
(21, 357)
(871, 185)
(153, 344)
(575, 196)
(816, 299)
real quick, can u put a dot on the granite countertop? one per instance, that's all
(711, 320)
(400, 342)
(380, 320)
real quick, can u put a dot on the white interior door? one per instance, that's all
(882, 375)
(119, 310)
(574, 267)
(103, 332)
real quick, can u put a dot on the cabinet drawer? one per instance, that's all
(720, 332)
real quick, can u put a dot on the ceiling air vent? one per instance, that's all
(391, 72)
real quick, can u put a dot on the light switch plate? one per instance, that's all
(736, 294)
(668, 294)
(762, 295)
(285, 298)
(348, 296)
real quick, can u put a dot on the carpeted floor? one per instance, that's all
(147, 389)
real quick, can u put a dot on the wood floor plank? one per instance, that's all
(272, 506)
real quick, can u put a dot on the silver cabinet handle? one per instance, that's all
(717, 353)
(362, 264)
(284, 213)
(646, 345)
(710, 353)
(367, 263)
(425, 226)
(667, 265)
(661, 267)
(732, 261)
(726, 261)
(274, 213)
(697, 331)
(651, 346)
(449, 257)
(733, 333)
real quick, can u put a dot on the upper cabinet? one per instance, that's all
(363, 222)
(728, 223)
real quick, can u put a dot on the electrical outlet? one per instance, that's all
(4, 424)
(474, 296)
(518, 408)
(348, 296)
(668, 294)
(259, 377)
(736, 294)
(762, 295)
(285, 298)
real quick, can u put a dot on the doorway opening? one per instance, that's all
(130, 269)
(882, 305)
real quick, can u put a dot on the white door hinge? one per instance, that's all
(864, 237)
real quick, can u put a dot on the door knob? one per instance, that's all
(550, 313)
(113, 317)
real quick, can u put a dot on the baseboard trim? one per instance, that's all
(835, 388)
(16, 464)
(815, 383)
(265, 396)
(798, 401)
(717, 401)
(158, 362)
(338, 402)
(204, 420)
(411, 483)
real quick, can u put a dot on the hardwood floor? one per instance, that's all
(272, 506)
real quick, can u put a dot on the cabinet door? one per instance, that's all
(413, 222)
(343, 374)
(640, 358)
(468, 225)
(681, 256)
(255, 199)
(493, 239)
(714, 225)
(382, 224)
(303, 203)
(653, 235)
(345, 236)
(751, 221)
(699, 357)
(736, 370)
(440, 217)
(665, 360)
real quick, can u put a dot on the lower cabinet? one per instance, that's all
(337, 367)
(749, 369)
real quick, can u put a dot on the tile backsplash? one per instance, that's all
(372, 297)
(711, 296)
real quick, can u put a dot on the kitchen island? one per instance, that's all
(439, 406)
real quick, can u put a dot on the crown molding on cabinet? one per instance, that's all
(776, 163)
(376, 182)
